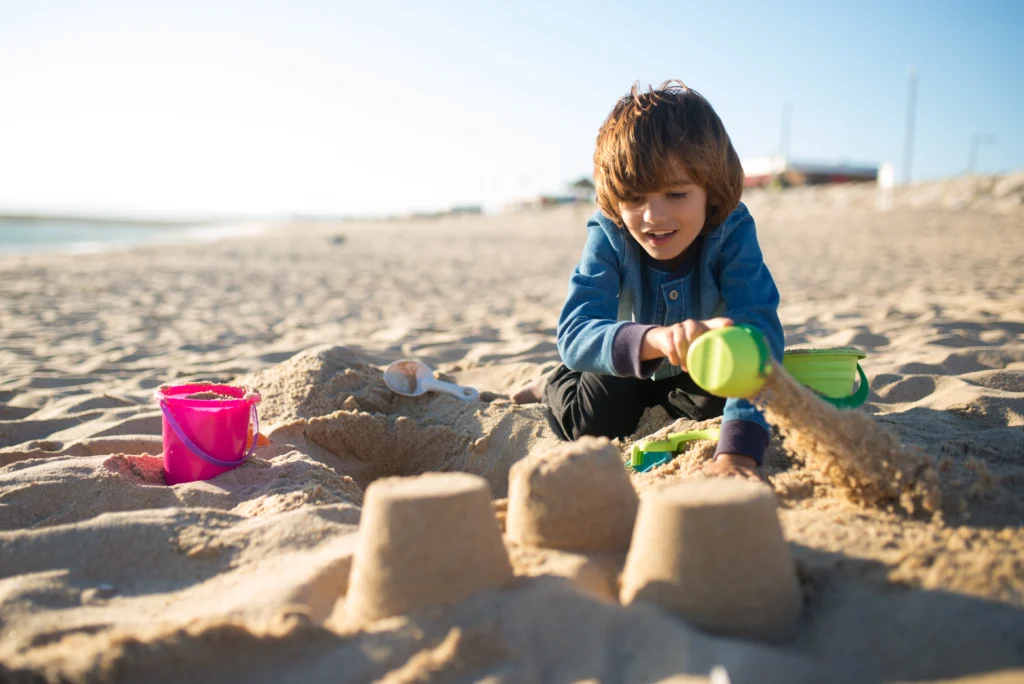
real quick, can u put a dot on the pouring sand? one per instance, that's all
(854, 454)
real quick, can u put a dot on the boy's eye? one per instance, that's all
(678, 195)
(632, 199)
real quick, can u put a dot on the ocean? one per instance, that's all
(68, 235)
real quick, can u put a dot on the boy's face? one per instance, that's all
(667, 221)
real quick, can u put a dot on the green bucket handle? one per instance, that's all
(854, 400)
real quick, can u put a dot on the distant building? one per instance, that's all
(580, 192)
(583, 190)
(539, 202)
(763, 171)
(466, 210)
(458, 210)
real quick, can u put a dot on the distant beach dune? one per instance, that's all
(108, 575)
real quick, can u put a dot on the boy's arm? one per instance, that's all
(751, 297)
(588, 323)
(747, 286)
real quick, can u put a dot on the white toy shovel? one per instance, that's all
(412, 378)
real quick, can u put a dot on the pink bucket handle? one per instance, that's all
(254, 420)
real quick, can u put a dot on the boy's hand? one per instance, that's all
(733, 465)
(673, 341)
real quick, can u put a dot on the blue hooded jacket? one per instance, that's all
(612, 287)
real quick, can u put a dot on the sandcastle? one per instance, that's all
(576, 497)
(424, 540)
(712, 551)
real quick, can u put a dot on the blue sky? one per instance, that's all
(197, 107)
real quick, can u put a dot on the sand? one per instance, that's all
(106, 574)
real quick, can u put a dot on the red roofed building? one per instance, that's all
(764, 171)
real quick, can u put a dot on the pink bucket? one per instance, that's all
(206, 437)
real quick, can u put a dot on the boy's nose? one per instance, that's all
(654, 210)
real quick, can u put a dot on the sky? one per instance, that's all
(210, 107)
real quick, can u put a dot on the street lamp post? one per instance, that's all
(976, 141)
(908, 136)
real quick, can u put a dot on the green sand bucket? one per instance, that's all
(734, 361)
(730, 362)
(829, 372)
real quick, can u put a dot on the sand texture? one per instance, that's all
(575, 497)
(423, 541)
(904, 523)
(712, 550)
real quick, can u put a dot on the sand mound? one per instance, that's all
(989, 194)
(85, 487)
(333, 398)
(318, 382)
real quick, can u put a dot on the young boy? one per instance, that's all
(671, 254)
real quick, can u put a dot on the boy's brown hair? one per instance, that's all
(646, 130)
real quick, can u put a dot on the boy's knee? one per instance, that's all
(693, 405)
(602, 425)
(585, 404)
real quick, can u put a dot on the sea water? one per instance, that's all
(29, 236)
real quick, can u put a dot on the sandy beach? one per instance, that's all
(109, 575)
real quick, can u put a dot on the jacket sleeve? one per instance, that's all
(588, 323)
(751, 297)
(747, 286)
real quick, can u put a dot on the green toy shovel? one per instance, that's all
(649, 453)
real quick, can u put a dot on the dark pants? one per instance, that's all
(607, 406)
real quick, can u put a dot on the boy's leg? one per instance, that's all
(597, 405)
(682, 397)
(532, 392)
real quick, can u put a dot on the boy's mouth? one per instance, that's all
(659, 237)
